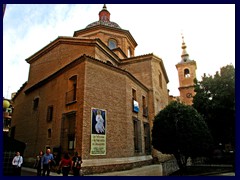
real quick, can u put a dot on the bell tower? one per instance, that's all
(186, 73)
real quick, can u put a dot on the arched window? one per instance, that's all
(112, 44)
(186, 73)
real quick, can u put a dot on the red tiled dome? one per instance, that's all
(104, 19)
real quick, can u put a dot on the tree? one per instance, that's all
(180, 130)
(215, 101)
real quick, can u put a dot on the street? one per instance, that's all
(151, 170)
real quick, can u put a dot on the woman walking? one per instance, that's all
(37, 164)
(65, 164)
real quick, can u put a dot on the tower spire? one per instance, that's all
(185, 56)
(104, 7)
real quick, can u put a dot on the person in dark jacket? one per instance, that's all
(76, 166)
(37, 164)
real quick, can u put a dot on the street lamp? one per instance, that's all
(7, 110)
(6, 104)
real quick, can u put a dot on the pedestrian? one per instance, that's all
(65, 164)
(38, 163)
(17, 164)
(46, 162)
(76, 166)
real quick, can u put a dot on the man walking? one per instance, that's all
(17, 164)
(47, 159)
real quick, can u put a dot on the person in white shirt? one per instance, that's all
(17, 164)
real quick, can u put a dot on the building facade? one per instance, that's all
(89, 93)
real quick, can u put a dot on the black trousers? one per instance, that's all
(17, 171)
(39, 170)
(46, 168)
(65, 171)
(76, 171)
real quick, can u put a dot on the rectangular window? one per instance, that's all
(71, 95)
(160, 80)
(50, 113)
(144, 106)
(134, 95)
(35, 103)
(137, 135)
(49, 133)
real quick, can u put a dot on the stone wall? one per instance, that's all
(167, 162)
(170, 166)
(114, 164)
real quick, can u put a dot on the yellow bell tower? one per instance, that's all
(186, 74)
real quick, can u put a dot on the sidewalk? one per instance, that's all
(34, 171)
(150, 170)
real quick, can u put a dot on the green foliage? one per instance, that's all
(215, 101)
(180, 130)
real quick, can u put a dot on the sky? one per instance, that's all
(208, 29)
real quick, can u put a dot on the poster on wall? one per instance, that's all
(98, 131)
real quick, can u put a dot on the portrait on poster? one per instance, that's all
(98, 121)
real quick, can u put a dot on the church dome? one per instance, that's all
(104, 19)
(104, 23)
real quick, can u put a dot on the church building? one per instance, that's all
(89, 93)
